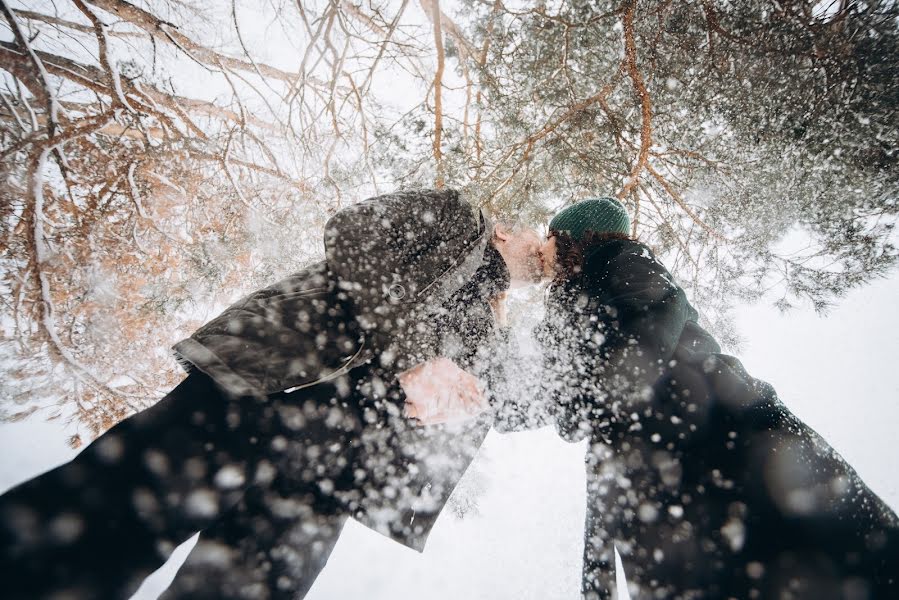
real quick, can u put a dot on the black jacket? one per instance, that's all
(706, 483)
(410, 470)
(407, 277)
(291, 400)
(390, 263)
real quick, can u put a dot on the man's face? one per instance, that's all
(520, 251)
(548, 256)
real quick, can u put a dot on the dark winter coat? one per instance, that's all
(289, 421)
(390, 261)
(706, 483)
(404, 279)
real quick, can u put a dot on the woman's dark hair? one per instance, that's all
(570, 252)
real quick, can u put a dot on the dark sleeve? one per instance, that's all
(97, 525)
(294, 333)
(636, 311)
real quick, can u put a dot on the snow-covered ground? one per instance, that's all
(838, 373)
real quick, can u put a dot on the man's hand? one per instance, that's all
(438, 391)
(498, 305)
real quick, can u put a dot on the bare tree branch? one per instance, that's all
(438, 93)
(46, 91)
(630, 61)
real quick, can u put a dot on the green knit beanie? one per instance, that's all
(602, 215)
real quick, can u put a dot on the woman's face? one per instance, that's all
(548, 257)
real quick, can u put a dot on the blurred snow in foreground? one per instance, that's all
(524, 540)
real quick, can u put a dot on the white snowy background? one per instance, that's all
(838, 373)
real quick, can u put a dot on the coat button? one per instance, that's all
(396, 292)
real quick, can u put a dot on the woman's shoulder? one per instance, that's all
(614, 254)
(623, 269)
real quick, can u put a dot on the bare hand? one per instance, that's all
(438, 391)
(498, 304)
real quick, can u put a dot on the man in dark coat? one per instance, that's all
(704, 481)
(321, 397)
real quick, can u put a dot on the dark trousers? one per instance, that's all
(258, 477)
(257, 552)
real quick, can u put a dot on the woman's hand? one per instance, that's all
(439, 391)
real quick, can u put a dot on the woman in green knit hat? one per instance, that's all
(704, 481)
(583, 225)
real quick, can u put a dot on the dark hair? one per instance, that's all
(570, 252)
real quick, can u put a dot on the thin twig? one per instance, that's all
(630, 61)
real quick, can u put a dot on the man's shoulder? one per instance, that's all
(442, 211)
(403, 248)
(312, 279)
